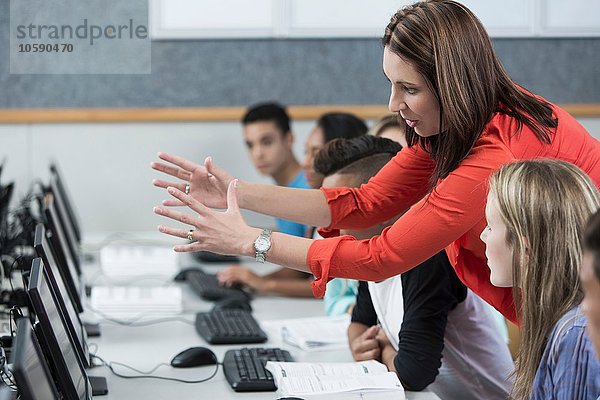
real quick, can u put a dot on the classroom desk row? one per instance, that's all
(145, 347)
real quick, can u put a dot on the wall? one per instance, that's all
(331, 71)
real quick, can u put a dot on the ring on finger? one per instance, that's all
(190, 235)
(187, 188)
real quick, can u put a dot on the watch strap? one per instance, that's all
(261, 256)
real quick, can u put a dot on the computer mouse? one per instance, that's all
(233, 303)
(194, 357)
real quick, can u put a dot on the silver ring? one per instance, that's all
(187, 188)
(190, 235)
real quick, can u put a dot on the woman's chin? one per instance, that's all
(500, 282)
(424, 133)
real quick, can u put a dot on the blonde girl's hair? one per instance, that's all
(545, 205)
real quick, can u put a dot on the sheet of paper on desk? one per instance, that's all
(359, 380)
(297, 369)
(318, 333)
(127, 261)
(358, 395)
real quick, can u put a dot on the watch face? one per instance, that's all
(262, 244)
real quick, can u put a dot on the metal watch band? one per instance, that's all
(261, 256)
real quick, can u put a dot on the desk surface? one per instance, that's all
(145, 347)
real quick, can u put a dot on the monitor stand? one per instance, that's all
(92, 330)
(99, 385)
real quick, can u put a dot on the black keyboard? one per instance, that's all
(245, 368)
(229, 327)
(207, 286)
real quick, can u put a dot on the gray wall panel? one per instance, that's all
(332, 71)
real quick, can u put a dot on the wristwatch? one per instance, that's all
(262, 244)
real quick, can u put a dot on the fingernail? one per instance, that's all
(171, 190)
(157, 210)
(161, 228)
(235, 183)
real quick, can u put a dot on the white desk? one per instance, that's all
(145, 347)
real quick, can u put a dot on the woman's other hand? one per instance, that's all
(207, 183)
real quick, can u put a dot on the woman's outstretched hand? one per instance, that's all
(223, 232)
(207, 183)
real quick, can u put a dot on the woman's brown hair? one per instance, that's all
(449, 46)
(545, 205)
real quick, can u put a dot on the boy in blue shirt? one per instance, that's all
(269, 140)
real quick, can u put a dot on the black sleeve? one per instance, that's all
(364, 312)
(430, 291)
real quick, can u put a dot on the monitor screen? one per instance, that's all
(63, 256)
(63, 195)
(67, 228)
(70, 315)
(29, 366)
(52, 334)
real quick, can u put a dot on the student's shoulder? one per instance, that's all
(568, 337)
(299, 181)
(569, 363)
(567, 359)
(437, 262)
(432, 271)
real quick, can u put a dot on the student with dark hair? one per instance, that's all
(424, 325)
(343, 153)
(329, 126)
(268, 112)
(269, 140)
(465, 118)
(590, 280)
(336, 125)
(340, 296)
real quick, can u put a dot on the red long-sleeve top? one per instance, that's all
(451, 217)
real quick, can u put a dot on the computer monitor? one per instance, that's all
(65, 365)
(61, 212)
(63, 256)
(5, 196)
(30, 369)
(63, 195)
(62, 296)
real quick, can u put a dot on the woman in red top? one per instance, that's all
(465, 118)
